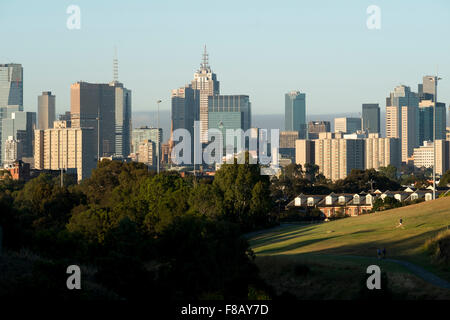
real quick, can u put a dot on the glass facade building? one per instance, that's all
(11, 85)
(229, 112)
(295, 113)
(371, 117)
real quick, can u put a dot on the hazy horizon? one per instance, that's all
(262, 49)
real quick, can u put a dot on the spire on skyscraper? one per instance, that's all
(204, 65)
(115, 66)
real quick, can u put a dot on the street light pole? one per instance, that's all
(436, 79)
(159, 138)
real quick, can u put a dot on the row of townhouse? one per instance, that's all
(359, 203)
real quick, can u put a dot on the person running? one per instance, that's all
(384, 253)
(400, 223)
(379, 253)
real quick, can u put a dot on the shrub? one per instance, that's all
(301, 270)
(439, 247)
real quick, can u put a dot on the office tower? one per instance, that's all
(424, 156)
(66, 148)
(11, 85)
(143, 134)
(347, 125)
(336, 158)
(20, 126)
(65, 116)
(123, 120)
(382, 152)
(11, 95)
(409, 131)
(147, 153)
(107, 106)
(287, 139)
(427, 91)
(315, 127)
(287, 144)
(295, 113)
(402, 119)
(185, 110)
(205, 81)
(46, 110)
(229, 112)
(304, 152)
(371, 117)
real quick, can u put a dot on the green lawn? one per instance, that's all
(343, 244)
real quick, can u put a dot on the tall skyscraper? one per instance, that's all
(111, 104)
(427, 97)
(11, 95)
(11, 85)
(229, 112)
(371, 117)
(427, 91)
(347, 125)
(205, 81)
(123, 120)
(295, 113)
(402, 119)
(46, 110)
(185, 108)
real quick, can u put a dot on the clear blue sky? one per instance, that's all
(261, 48)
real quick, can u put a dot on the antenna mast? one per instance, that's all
(115, 66)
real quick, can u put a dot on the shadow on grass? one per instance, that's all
(269, 239)
(293, 246)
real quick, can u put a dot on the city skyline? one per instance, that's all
(339, 47)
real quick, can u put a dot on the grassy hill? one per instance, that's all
(351, 244)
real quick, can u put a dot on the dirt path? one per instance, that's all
(424, 274)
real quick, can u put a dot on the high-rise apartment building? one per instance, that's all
(402, 119)
(46, 110)
(205, 81)
(66, 148)
(336, 158)
(371, 117)
(304, 152)
(147, 153)
(347, 125)
(382, 152)
(295, 113)
(13, 150)
(424, 156)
